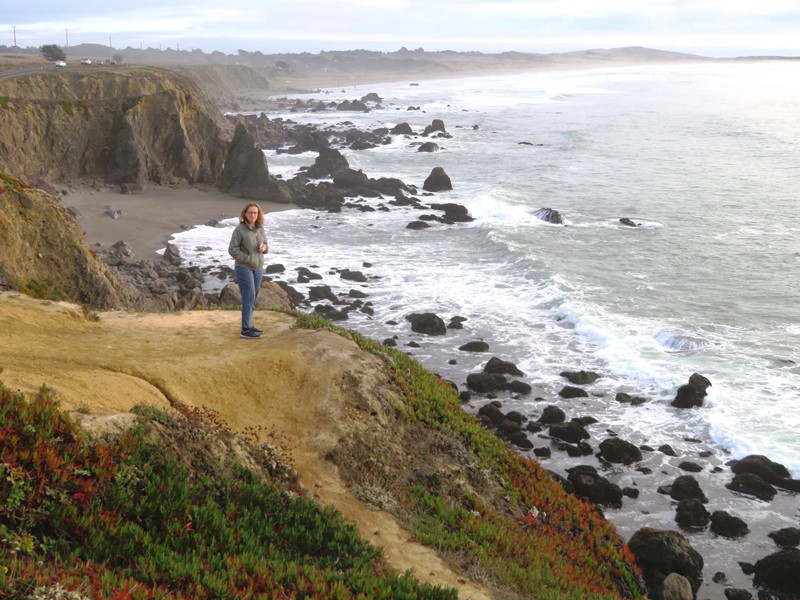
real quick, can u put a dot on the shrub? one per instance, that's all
(560, 547)
(123, 519)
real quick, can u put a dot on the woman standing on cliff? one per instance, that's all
(248, 247)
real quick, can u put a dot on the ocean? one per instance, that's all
(705, 157)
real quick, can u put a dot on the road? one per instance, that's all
(20, 72)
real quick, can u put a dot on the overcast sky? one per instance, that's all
(708, 27)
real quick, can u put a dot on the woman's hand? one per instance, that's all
(262, 248)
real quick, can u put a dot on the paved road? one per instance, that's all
(20, 72)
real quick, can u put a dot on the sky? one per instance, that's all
(718, 28)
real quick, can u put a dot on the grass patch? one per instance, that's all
(121, 518)
(3, 101)
(37, 289)
(557, 546)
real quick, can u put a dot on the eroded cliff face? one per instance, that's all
(41, 243)
(124, 126)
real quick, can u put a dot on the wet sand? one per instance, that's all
(148, 220)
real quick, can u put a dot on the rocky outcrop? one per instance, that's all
(127, 127)
(245, 174)
(55, 258)
(660, 553)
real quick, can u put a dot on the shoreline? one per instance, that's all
(150, 219)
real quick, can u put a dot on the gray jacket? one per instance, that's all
(244, 245)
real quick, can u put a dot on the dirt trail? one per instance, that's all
(296, 383)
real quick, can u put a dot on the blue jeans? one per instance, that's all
(249, 282)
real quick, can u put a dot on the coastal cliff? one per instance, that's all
(365, 428)
(124, 126)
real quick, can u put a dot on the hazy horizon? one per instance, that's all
(714, 28)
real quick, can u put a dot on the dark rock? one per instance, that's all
(353, 275)
(569, 432)
(778, 572)
(484, 383)
(390, 342)
(552, 415)
(495, 365)
(692, 513)
(322, 292)
(519, 387)
(172, 255)
(569, 391)
(371, 97)
(737, 594)
(659, 553)
(436, 125)
(402, 129)
(596, 488)
(349, 178)
(428, 147)
(667, 449)
(549, 216)
(727, 525)
(330, 313)
(437, 181)
(328, 162)
(630, 492)
(456, 323)
(276, 268)
(245, 173)
(691, 394)
(453, 213)
(542, 452)
(427, 323)
(690, 467)
(417, 225)
(584, 421)
(769, 471)
(475, 346)
(628, 222)
(787, 537)
(686, 486)
(493, 413)
(617, 450)
(752, 485)
(580, 377)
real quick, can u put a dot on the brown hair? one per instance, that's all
(259, 219)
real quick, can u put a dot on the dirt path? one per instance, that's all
(292, 382)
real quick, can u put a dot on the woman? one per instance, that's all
(248, 247)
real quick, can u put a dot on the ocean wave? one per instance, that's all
(679, 340)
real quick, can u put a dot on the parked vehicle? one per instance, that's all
(61, 63)
(86, 61)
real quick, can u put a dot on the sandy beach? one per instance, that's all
(148, 220)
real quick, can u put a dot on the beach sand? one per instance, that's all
(148, 220)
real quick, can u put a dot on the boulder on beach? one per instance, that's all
(752, 485)
(569, 432)
(727, 525)
(436, 125)
(580, 377)
(692, 394)
(788, 537)
(570, 391)
(691, 512)
(659, 553)
(617, 450)
(549, 215)
(596, 488)
(437, 181)
(778, 572)
(427, 323)
(504, 367)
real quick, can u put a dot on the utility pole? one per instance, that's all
(14, 28)
(66, 33)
